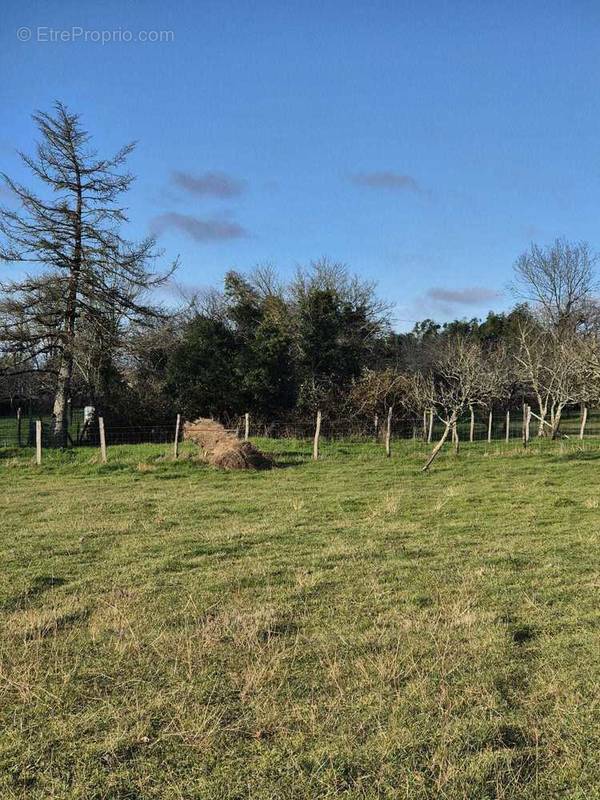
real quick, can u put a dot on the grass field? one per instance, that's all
(347, 628)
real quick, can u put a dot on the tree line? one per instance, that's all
(80, 324)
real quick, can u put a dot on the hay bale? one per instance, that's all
(206, 433)
(223, 449)
(238, 455)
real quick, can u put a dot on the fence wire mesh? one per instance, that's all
(17, 433)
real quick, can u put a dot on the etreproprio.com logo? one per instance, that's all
(76, 33)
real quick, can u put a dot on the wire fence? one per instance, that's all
(499, 427)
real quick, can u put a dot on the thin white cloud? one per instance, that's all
(386, 179)
(209, 184)
(201, 230)
(468, 296)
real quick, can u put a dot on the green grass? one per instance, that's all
(347, 628)
(9, 429)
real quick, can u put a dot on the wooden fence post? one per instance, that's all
(472, 428)
(316, 439)
(430, 431)
(246, 426)
(176, 443)
(102, 440)
(526, 422)
(507, 425)
(388, 432)
(38, 441)
(490, 417)
(584, 414)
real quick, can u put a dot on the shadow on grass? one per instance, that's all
(12, 452)
(61, 623)
(284, 463)
(576, 455)
(39, 585)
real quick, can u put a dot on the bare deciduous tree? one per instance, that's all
(376, 391)
(458, 378)
(550, 363)
(558, 280)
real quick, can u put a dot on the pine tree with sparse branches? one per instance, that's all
(79, 267)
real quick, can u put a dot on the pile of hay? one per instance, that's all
(222, 449)
(239, 455)
(207, 434)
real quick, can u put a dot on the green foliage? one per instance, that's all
(261, 322)
(202, 373)
(273, 352)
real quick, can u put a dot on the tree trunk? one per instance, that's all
(543, 409)
(61, 400)
(557, 414)
(430, 431)
(438, 446)
(472, 427)
(65, 372)
(456, 439)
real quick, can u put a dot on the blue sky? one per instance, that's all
(423, 144)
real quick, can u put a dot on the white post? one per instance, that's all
(388, 432)
(430, 431)
(584, 414)
(316, 439)
(102, 440)
(490, 426)
(38, 441)
(508, 425)
(246, 426)
(472, 428)
(176, 442)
